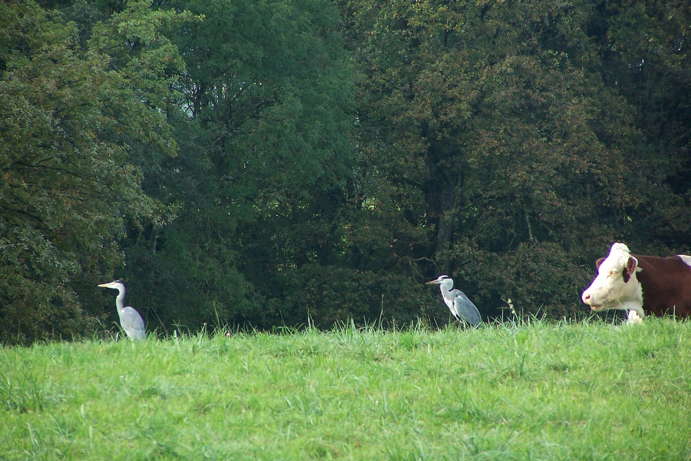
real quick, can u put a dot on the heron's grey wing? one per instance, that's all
(465, 309)
(132, 323)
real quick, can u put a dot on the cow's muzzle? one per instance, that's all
(588, 299)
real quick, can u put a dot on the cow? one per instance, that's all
(641, 284)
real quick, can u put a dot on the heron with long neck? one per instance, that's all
(461, 307)
(130, 320)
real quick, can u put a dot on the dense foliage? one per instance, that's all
(262, 163)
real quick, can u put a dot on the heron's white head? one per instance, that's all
(439, 280)
(115, 285)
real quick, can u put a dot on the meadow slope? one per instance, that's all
(535, 391)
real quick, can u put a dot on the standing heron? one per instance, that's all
(460, 306)
(130, 320)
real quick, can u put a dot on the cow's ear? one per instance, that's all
(597, 264)
(630, 268)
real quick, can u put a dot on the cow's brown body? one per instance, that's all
(666, 284)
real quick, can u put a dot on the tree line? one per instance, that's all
(277, 162)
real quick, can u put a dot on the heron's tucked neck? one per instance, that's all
(446, 287)
(120, 299)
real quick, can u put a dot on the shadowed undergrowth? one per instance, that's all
(533, 390)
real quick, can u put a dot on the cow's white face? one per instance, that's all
(616, 285)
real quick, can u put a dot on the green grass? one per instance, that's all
(535, 391)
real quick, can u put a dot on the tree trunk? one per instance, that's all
(449, 202)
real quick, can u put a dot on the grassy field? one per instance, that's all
(535, 391)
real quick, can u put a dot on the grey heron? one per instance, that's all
(460, 306)
(130, 320)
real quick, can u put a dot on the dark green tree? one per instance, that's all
(497, 129)
(259, 162)
(645, 55)
(264, 143)
(70, 124)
